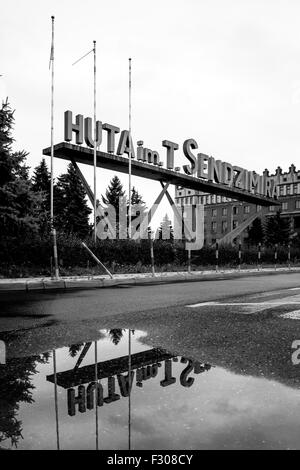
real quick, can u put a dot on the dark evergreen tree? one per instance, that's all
(113, 193)
(136, 198)
(138, 208)
(165, 231)
(19, 205)
(71, 211)
(16, 387)
(41, 182)
(256, 232)
(277, 230)
(116, 335)
(74, 349)
(113, 196)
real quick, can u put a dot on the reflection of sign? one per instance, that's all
(144, 366)
(71, 378)
(200, 165)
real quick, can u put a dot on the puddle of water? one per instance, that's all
(294, 315)
(146, 398)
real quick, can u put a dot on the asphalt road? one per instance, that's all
(245, 327)
(21, 310)
(34, 323)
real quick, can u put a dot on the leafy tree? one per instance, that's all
(256, 232)
(19, 205)
(71, 211)
(277, 230)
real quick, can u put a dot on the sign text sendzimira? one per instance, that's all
(200, 165)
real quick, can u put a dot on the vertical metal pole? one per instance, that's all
(217, 256)
(289, 256)
(96, 396)
(130, 151)
(275, 256)
(240, 255)
(151, 251)
(55, 399)
(258, 256)
(95, 146)
(129, 394)
(189, 261)
(52, 154)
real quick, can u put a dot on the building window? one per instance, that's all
(214, 212)
(272, 208)
(284, 206)
(295, 188)
(235, 210)
(298, 204)
(224, 211)
(281, 188)
(288, 189)
(179, 193)
(214, 226)
(234, 224)
(247, 209)
(258, 208)
(224, 226)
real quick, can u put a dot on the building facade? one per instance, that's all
(222, 215)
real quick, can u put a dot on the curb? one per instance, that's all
(47, 285)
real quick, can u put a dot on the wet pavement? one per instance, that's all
(147, 398)
(219, 372)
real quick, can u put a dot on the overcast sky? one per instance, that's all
(224, 72)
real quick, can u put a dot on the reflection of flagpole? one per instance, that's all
(55, 399)
(96, 396)
(130, 152)
(129, 388)
(52, 152)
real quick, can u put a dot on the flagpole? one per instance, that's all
(130, 152)
(52, 154)
(95, 146)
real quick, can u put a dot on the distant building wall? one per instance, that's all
(221, 214)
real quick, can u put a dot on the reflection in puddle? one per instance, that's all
(118, 393)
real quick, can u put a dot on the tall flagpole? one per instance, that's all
(52, 153)
(130, 152)
(95, 146)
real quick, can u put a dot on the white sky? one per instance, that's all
(224, 72)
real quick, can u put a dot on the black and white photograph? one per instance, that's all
(149, 228)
